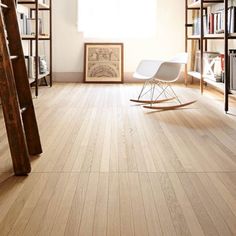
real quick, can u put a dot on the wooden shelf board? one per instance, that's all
(207, 36)
(233, 92)
(197, 75)
(32, 4)
(32, 80)
(218, 85)
(197, 5)
(32, 37)
(194, 74)
(232, 36)
(212, 36)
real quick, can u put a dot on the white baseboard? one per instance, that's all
(77, 77)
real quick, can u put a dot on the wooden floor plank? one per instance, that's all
(9, 190)
(18, 205)
(225, 211)
(75, 215)
(100, 217)
(139, 217)
(37, 215)
(198, 207)
(188, 212)
(212, 209)
(225, 193)
(113, 212)
(52, 211)
(152, 217)
(87, 221)
(174, 207)
(126, 214)
(162, 206)
(64, 209)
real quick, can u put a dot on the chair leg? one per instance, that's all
(141, 92)
(153, 86)
(177, 98)
(162, 92)
(152, 92)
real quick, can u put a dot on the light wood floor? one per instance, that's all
(110, 167)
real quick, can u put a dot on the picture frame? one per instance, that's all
(103, 63)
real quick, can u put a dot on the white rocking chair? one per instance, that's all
(160, 75)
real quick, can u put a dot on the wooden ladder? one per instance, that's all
(15, 94)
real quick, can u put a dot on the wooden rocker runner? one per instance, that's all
(15, 94)
(150, 101)
(170, 107)
(160, 74)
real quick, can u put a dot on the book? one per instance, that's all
(229, 18)
(22, 22)
(232, 64)
(211, 30)
(31, 67)
(196, 26)
(205, 24)
(27, 65)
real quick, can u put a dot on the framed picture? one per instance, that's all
(103, 62)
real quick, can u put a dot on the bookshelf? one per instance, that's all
(34, 7)
(202, 39)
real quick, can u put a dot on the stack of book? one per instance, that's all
(212, 65)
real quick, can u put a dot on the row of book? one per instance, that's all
(27, 25)
(213, 23)
(30, 62)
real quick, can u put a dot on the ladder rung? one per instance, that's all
(22, 110)
(14, 57)
(4, 6)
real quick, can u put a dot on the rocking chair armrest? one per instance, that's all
(169, 71)
(141, 77)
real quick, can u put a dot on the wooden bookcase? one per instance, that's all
(34, 7)
(202, 7)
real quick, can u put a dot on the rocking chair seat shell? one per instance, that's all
(161, 70)
(147, 69)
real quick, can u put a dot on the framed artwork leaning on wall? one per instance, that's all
(103, 62)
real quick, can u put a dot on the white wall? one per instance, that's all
(68, 42)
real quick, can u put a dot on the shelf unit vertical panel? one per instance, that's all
(201, 45)
(50, 32)
(37, 47)
(226, 49)
(186, 41)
